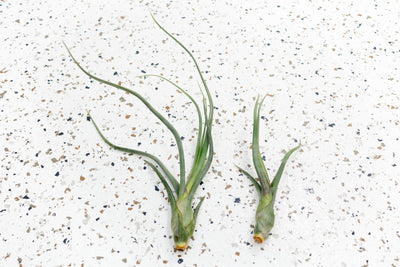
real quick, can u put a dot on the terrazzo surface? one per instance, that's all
(331, 72)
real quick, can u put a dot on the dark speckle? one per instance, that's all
(57, 173)
(180, 261)
(310, 190)
(156, 188)
(237, 200)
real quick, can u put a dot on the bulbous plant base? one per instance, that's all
(181, 246)
(183, 221)
(264, 218)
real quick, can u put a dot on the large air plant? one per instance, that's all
(180, 193)
(266, 191)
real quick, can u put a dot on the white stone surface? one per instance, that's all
(331, 69)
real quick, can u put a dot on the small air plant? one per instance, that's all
(180, 194)
(266, 191)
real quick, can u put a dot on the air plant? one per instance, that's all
(180, 194)
(266, 191)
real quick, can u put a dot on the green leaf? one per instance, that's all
(150, 107)
(257, 160)
(198, 145)
(169, 191)
(252, 179)
(203, 165)
(196, 210)
(277, 178)
(199, 163)
(190, 54)
(210, 116)
(172, 180)
(206, 166)
(184, 92)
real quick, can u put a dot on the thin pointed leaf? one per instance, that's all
(202, 134)
(210, 117)
(277, 178)
(196, 210)
(205, 110)
(193, 101)
(172, 180)
(252, 179)
(198, 167)
(260, 104)
(190, 54)
(180, 89)
(257, 160)
(210, 144)
(206, 166)
(202, 165)
(166, 185)
(200, 156)
(150, 107)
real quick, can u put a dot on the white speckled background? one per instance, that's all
(331, 68)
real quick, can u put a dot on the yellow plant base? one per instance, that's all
(181, 246)
(258, 238)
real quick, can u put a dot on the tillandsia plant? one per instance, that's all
(180, 194)
(266, 191)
